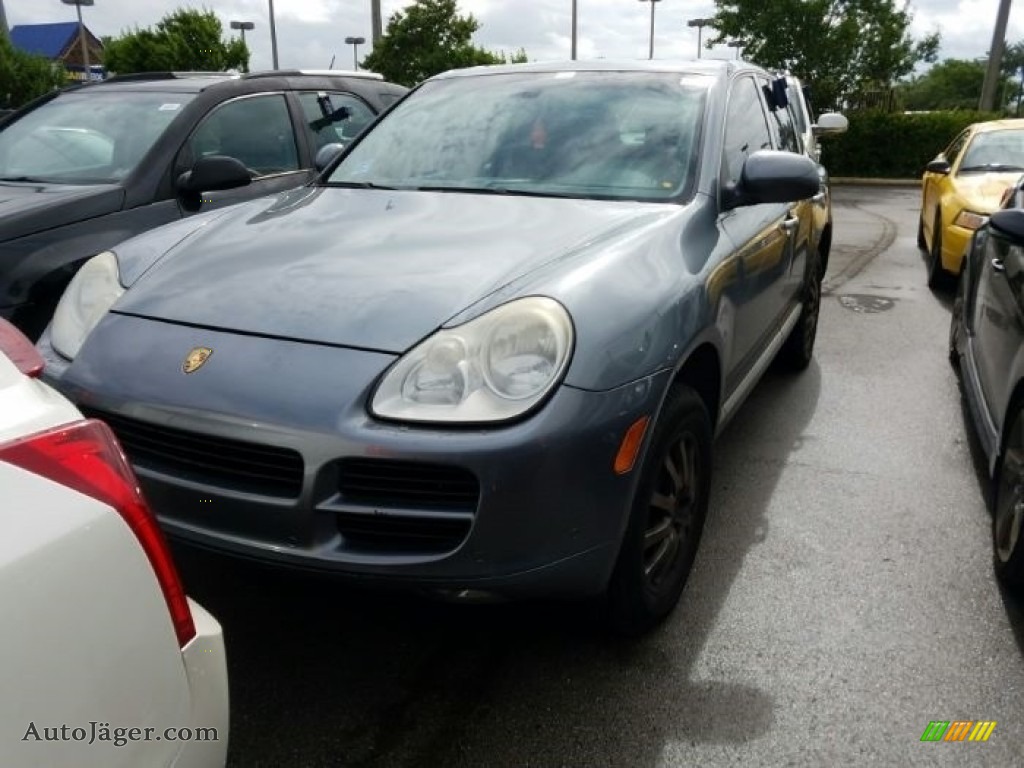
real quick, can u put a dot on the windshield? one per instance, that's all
(86, 137)
(995, 151)
(617, 135)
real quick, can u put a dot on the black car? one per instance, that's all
(85, 168)
(986, 346)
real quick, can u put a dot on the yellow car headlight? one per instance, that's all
(970, 220)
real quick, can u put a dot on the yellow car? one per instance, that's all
(962, 186)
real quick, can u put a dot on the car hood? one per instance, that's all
(981, 192)
(372, 269)
(29, 208)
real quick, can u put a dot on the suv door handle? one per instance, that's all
(997, 265)
(818, 197)
(789, 224)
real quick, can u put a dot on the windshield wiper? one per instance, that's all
(992, 167)
(359, 185)
(29, 179)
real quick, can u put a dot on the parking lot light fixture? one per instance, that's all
(650, 53)
(699, 24)
(355, 42)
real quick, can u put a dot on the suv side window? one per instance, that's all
(746, 130)
(323, 113)
(257, 130)
(782, 124)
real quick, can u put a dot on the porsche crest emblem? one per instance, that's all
(196, 359)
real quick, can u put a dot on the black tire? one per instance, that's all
(956, 319)
(667, 517)
(937, 277)
(1008, 520)
(920, 234)
(798, 350)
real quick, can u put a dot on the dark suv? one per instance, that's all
(85, 168)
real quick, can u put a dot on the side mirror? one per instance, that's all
(326, 155)
(212, 173)
(830, 123)
(775, 177)
(1010, 223)
(938, 165)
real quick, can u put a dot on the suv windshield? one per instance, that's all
(86, 137)
(618, 135)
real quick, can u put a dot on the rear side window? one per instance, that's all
(334, 118)
(256, 130)
(746, 129)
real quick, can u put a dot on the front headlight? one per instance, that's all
(970, 220)
(91, 292)
(493, 368)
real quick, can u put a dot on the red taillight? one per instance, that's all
(21, 351)
(86, 456)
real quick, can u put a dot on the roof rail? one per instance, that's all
(322, 72)
(144, 76)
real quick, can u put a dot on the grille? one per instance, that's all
(224, 462)
(426, 507)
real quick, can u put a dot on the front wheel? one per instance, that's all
(666, 519)
(956, 324)
(798, 350)
(936, 274)
(1009, 505)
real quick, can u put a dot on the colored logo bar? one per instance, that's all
(958, 730)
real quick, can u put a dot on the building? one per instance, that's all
(60, 43)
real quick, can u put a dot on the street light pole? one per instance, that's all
(242, 26)
(81, 34)
(375, 21)
(995, 58)
(273, 35)
(650, 54)
(355, 42)
(699, 24)
(573, 26)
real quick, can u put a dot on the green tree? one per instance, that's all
(185, 40)
(950, 84)
(839, 47)
(429, 37)
(25, 76)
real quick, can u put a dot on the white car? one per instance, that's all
(104, 661)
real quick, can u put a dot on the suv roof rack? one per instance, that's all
(144, 76)
(323, 72)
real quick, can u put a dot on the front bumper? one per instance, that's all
(955, 240)
(528, 508)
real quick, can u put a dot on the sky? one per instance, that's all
(311, 33)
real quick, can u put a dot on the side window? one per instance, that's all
(781, 119)
(334, 118)
(256, 130)
(956, 146)
(746, 130)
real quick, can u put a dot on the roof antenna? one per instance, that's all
(331, 65)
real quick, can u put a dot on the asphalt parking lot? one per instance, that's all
(843, 596)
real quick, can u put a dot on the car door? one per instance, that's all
(998, 319)
(256, 130)
(934, 184)
(761, 234)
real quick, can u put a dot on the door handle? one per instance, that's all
(818, 198)
(789, 224)
(997, 265)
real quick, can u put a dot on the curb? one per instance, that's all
(853, 181)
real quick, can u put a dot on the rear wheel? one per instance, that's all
(936, 274)
(1009, 505)
(666, 519)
